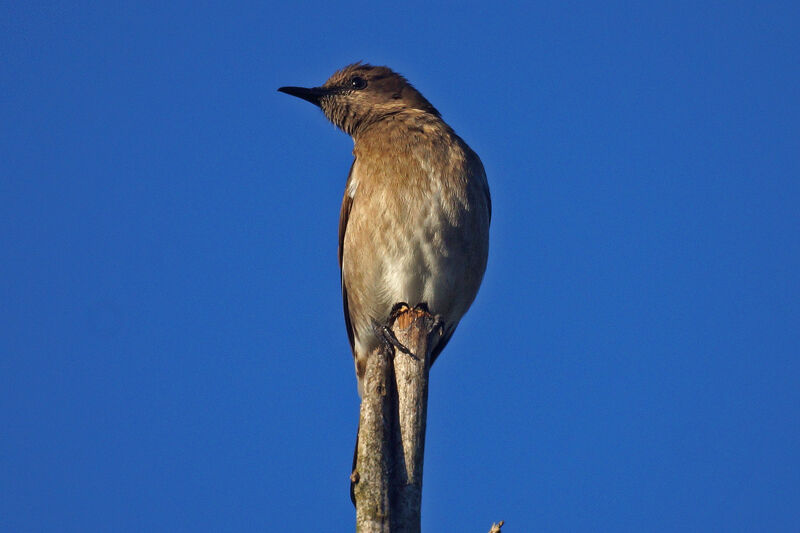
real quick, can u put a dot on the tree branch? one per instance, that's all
(413, 328)
(372, 476)
(496, 527)
(391, 441)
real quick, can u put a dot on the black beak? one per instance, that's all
(313, 95)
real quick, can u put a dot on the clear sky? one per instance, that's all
(172, 350)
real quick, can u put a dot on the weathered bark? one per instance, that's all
(391, 442)
(374, 455)
(413, 329)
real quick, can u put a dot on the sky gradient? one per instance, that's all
(173, 355)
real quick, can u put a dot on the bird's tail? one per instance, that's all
(352, 470)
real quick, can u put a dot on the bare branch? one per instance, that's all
(374, 456)
(391, 442)
(413, 328)
(496, 527)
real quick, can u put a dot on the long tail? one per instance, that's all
(355, 460)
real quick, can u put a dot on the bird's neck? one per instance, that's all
(401, 126)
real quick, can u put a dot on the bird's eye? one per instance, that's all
(357, 82)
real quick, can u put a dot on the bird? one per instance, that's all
(415, 216)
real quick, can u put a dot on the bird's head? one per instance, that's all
(361, 94)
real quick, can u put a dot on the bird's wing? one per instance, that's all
(450, 328)
(344, 215)
(489, 202)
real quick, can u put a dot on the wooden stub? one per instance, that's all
(496, 527)
(391, 442)
(374, 453)
(413, 328)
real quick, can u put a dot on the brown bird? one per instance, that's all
(414, 224)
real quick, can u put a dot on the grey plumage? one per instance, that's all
(414, 224)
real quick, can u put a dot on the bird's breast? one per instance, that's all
(412, 236)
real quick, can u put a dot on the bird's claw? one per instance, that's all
(388, 336)
(384, 331)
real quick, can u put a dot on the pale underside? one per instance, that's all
(414, 229)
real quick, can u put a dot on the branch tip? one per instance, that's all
(496, 527)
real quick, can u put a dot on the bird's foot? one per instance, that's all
(437, 325)
(399, 309)
(421, 310)
(387, 336)
(385, 333)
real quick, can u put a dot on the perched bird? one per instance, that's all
(414, 224)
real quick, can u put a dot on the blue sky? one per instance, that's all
(172, 350)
